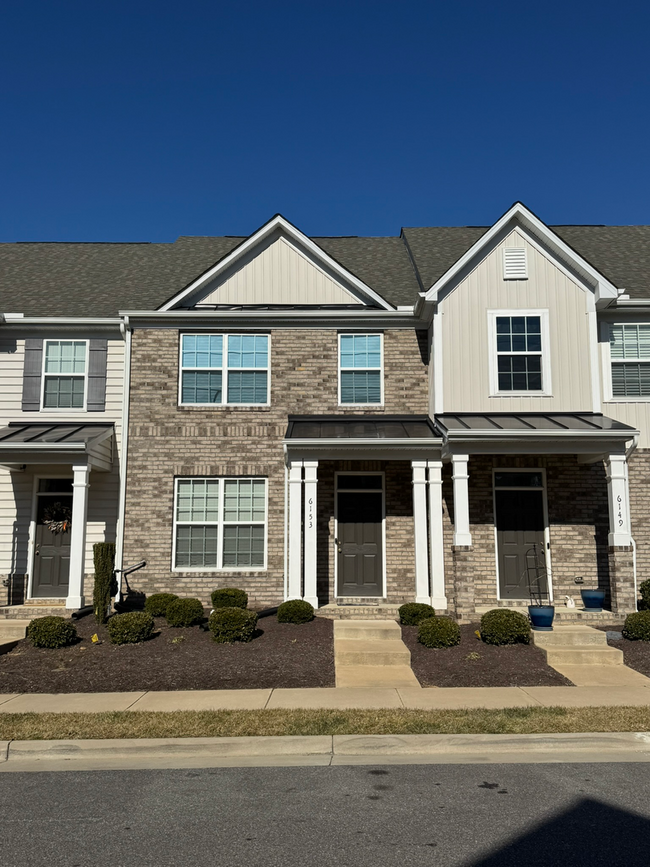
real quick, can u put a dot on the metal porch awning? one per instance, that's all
(559, 433)
(405, 437)
(56, 443)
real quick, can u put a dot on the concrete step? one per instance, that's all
(571, 636)
(13, 630)
(371, 652)
(30, 611)
(358, 612)
(388, 630)
(378, 676)
(559, 656)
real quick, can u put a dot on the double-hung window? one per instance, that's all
(360, 369)
(220, 523)
(520, 363)
(65, 364)
(227, 369)
(629, 348)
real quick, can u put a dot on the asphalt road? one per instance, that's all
(488, 815)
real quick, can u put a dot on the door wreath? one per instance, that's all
(57, 517)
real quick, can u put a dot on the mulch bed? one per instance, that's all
(512, 665)
(636, 654)
(282, 655)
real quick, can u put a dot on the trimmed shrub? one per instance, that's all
(157, 603)
(184, 612)
(130, 628)
(105, 585)
(644, 590)
(503, 626)
(438, 632)
(229, 597)
(295, 611)
(232, 624)
(637, 626)
(51, 632)
(413, 612)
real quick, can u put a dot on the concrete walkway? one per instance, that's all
(323, 750)
(338, 698)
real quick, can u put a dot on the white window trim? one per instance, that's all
(608, 361)
(224, 368)
(360, 369)
(383, 524)
(65, 409)
(547, 527)
(547, 388)
(220, 525)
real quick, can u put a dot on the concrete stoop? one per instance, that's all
(12, 631)
(35, 608)
(371, 653)
(582, 655)
(358, 611)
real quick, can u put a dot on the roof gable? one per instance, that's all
(277, 266)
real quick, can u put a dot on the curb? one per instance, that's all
(325, 750)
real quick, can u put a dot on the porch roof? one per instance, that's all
(567, 432)
(58, 442)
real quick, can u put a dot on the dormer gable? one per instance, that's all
(277, 266)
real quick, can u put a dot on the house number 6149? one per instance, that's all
(619, 500)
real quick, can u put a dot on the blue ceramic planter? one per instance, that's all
(541, 617)
(593, 599)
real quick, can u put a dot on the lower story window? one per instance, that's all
(220, 523)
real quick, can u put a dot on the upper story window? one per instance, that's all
(360, 369)
(220, 523)
(227, 369)
(520, 358)
(629, 347)
(64, 374)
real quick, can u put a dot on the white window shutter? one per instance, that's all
(515, 266)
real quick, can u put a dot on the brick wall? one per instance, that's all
(166, 440)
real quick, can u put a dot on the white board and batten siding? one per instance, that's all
(464, 332)
(16, 488)
(278, 272)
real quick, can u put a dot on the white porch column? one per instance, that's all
(422, 593)
(311, 482)
(462, 535)
(436, 541)
(619, 501)
(294, 590)
(75, 598)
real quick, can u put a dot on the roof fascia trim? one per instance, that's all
(277, 222)
(604, 289)
(369, 317)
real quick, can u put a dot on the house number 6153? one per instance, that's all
(310, 515)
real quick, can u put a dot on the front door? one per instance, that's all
(360, 535)
(521, 535)
(52, 538)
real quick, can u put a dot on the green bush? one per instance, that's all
(232, 624)
(51, 632)
(503, 626)
(295, 611)
(637, 626)
(644, 590)
(184, 612)
(157, 603)
(229, 597)
(105, 587)
(413, 612)
(130, 628)
(438, 632)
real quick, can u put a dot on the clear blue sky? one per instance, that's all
(147, 120)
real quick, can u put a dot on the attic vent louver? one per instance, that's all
(515, 266)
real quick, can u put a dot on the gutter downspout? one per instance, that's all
(125, 328)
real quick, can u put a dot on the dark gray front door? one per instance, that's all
(360, 541)
(51, 549)
(520, 527)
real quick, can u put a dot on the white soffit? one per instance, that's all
(519, 214)
(277, 226)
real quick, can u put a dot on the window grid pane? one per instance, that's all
(202, 350)
(520, 372)
(198, 500)
(65, 356)
(244, 500)
(250, 386)
(196, 546)
(631, 379)
(361, 351)
(360, 386)
(630, 341)
(63, 392)
(243, 545)
(201, 387)
(248, 351)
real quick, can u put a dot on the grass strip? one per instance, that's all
(247, 723)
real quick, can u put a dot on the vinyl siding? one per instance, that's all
(278, 273)
(16, 489)
(465, 343)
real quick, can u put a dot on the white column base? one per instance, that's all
(74, 602)
(313, 600)
(439, 603)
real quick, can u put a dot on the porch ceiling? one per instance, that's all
(56, 443)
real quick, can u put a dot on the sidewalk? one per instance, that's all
(338, 698)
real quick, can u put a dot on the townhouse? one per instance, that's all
(456, 416)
